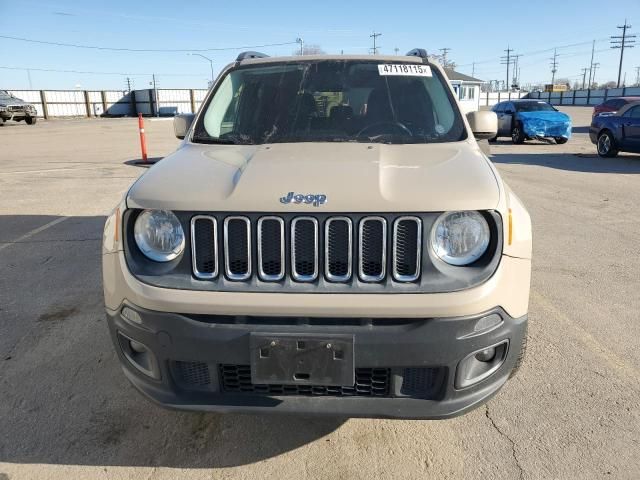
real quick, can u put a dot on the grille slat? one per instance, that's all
(204, 247)
(407, 248)
(338, 247)
(237, 248)
(237, 379)
(304, 249)
(271, 249)
(372, 251)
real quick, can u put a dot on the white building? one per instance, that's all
(467, 88)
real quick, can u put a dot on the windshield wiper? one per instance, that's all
(229, 140)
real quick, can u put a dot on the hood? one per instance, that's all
(550, 116)
(8, 100)
(352, 177)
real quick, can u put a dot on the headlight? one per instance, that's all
(159, 235)
(460, 238)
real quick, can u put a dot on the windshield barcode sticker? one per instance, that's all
(411, 70)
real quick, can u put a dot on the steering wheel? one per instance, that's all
(400, 127)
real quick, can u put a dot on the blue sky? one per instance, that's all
(475, 32)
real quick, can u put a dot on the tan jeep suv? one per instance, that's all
(328, 238)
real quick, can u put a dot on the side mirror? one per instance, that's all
(182, 123)
(484, 124)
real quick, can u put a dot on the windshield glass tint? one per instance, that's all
(534, 107)
(329, 101)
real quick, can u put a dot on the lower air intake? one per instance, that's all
(370, 382)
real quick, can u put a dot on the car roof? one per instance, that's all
(306, 58)
(628, 106)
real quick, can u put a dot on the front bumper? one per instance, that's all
(16, 115)
(541, 129)
(419, 358)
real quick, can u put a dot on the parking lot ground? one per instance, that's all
(67, 412)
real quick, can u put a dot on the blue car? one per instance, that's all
(528, 119)
(617, 132)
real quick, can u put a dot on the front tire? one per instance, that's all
(606, 145)
(561, 140)
(517, 134)
(31, 120)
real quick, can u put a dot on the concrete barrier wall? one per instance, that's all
(585, 97)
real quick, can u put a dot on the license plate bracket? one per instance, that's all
(292, 359)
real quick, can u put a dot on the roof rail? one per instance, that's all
(417, 52)
(246, 55)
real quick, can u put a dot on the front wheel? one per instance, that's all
(561, 140)
(517, 134)
(606, 145)
(30, 120)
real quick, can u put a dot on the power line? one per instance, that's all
(622, 41)
(148, 50)
(101, 73)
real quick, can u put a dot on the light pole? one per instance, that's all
(206, 58)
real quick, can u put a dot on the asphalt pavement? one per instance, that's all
(67, 412)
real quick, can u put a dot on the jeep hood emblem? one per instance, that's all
(315, 199)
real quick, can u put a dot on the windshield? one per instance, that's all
(534, 107)
(331, 101)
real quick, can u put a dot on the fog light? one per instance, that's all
(137, 347)
(486, 355)
(481, 364)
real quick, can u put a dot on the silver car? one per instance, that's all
(13, 108)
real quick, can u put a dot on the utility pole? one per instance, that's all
(595, 67)
(396, 50)
(584, 76)
(300, 40)
(516, 70)
(554, 66)
(444, 51)
(507, 60)
(375, 35)
(29, 77)
(155, 95)
(128, 84)
(473, 69)
(637, 76)
(622, 41)
(593, 49)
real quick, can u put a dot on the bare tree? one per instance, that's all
(310, 50)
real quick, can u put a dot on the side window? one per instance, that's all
(633, 112)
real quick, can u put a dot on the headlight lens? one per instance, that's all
(460, 238)
(159, 235)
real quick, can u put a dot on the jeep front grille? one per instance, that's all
(306, 249)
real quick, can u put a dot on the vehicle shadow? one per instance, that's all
(64, 399)
(138, 162)
(624, 163)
